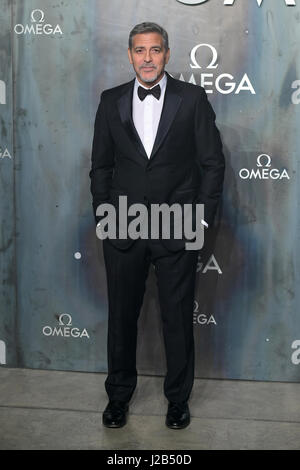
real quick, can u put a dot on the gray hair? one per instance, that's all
(148, 27)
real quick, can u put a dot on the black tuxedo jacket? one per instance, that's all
(186, 164)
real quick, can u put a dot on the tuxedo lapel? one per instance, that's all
(125, 110)
(172, 101)
(171, 105)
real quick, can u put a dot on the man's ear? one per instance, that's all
(129, 55)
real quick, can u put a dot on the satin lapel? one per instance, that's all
(171, 105)
(125, 110)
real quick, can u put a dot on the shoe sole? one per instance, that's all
(115, 426)
(177, 427)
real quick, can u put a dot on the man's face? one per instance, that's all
(148, 57)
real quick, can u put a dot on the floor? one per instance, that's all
(63, 410)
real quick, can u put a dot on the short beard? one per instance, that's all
(149, 80)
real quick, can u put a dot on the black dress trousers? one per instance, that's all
(127, 272)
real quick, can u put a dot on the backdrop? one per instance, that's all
(55, 60)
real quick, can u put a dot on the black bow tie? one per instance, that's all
(143, 92)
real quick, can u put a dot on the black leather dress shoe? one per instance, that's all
(178, 415)
(114, 415)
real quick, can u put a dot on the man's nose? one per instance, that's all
(148, 57)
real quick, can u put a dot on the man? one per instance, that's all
(156, 142)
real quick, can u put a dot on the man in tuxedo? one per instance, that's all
(155, 141)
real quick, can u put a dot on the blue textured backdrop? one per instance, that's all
(246, 307)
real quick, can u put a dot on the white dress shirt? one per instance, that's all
(146, 114)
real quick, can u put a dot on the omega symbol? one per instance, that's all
(60, 321)
(41, 20)
(268, 164)
(212, 65)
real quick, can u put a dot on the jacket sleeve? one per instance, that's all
(102, 158)
(209, 157)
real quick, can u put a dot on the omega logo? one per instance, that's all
(38, 25)
(41, 20)
(265, 156)
(202, 318)
(60, 321)
(212, 65)
(224, 83)
(65, 328)
(263, 172)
